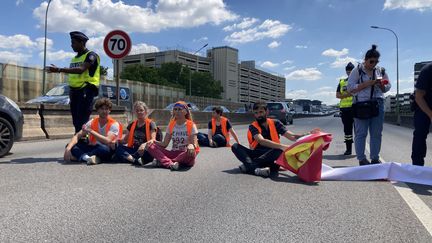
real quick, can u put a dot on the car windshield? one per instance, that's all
(274, 106)
(58, 91)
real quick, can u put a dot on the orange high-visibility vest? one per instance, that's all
(224, 123)
(189, 126)
(95, 127)
(273, 133)
(132, 131)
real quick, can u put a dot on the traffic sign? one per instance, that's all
(117, 44)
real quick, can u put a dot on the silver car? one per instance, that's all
(11, 124)
(280, 111)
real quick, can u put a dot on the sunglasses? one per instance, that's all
(178, 109)
(373, 62)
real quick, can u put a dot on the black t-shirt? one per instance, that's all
(140, 135)
(424, 82)
(280, 128)
(219, 128)
(92, 59)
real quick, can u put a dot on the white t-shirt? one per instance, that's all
(179, 136)
(114, 129)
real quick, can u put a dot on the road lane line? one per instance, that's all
(419, 208)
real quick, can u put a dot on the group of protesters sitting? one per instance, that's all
(104, 139)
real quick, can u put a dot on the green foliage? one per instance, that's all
(175, 75)
(103, 71)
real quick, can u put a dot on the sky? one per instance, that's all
(309, 42)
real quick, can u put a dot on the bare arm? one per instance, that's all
(165, 142)
(339, 95)
(74, 70)
(268, 143)
(234, 134)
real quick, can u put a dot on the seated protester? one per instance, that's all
(134, 144)
(103, 132)
(183, 133)
(265, 147)
(219, 129)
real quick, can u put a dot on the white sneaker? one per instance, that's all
(264, 172)
(139, 161)
(174, 166)
(93, 160)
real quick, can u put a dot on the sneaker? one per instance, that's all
(93, 160)
(174, 166)
(242, 168)
(264, 172)
(139, 162)
(376, 161)
(364, 162)
(156, 163)
(348, 152)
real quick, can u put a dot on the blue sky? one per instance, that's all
(307, 41)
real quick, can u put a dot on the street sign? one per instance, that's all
(117, 44)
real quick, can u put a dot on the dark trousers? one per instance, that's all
(122, 152)
(81, 105)
(421, 129)
(101, 151)
(257, 158)
(203, 140)
(348, 122)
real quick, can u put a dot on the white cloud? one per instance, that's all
(60, 55)
(334, 53)
(420, 5)
(18, 2)
(288, 62)
(289, 68)
(268, 64)
(343, 61)
(14, 57)
(268, 29)
(98, 16)
(40, 43)
(143, 48)
(245, 23)
(309, 74)
(301, 47)
(16, 41)
(274, 44)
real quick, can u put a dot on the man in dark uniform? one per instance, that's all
(345, 109)
(84, 78)
(422, 114)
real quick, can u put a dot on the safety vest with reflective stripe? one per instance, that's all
(79, 80)
(224, 124)
(345, 102)
(273, 133)
(95, 127)
(132, 131)
(189, 126)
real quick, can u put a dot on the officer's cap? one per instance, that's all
(78, 35)
(349, 66)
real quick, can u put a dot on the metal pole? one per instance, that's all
(190, 73)
(397, 73)
(44, 58)
(117, 61)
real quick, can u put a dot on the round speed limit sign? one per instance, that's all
(117, 44)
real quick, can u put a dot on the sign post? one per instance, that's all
(117, 44)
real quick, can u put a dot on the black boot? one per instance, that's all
(348, 149)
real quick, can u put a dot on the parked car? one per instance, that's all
(280, 111)
(11, 124)
(210, 109)
(191, 106)
(240, 110)
(59, 95)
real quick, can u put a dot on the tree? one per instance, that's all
(203, 84)
(103, 71)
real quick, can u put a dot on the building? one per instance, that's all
(241, 82)
(404, 103)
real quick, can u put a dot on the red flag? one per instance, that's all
(304, 157)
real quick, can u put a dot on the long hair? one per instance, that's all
(188, 115)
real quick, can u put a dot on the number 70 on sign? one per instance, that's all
(117, 44)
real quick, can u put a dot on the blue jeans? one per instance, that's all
(203, 140)
(101, 151)
(374, 126)
(122, 152)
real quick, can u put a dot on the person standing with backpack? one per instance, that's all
(368, 83)
(422, 114)
(345, 109)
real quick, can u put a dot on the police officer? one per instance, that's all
(345, 109)
(422, 114)
(84, 78)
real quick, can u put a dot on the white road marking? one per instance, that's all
(419, 208)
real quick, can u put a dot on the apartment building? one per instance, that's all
(241, 82)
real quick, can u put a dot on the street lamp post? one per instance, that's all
(44, 58)
(397, 73)
(190, 72)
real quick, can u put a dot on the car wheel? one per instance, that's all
(7, 136)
